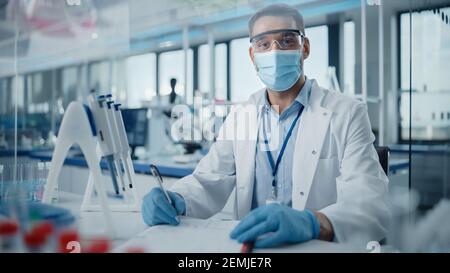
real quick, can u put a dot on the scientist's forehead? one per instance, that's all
(267, 23)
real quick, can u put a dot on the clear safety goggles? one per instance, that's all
(287, 39)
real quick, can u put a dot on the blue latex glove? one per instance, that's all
(156, 209)
(280, 223)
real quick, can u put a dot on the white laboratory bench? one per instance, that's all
(73, 180)
(129, 224)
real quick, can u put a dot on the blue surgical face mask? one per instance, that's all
(279, 70)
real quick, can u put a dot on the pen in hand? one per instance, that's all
(159, 179)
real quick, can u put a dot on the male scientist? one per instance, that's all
(303, 164)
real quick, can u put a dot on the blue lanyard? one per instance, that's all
(274, 165)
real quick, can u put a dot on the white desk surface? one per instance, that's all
(130, 232)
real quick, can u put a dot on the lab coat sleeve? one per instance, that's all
(206, 191)
(361, 212)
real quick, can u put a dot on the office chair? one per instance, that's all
(383, 157)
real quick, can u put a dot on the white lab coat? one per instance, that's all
(336, 169)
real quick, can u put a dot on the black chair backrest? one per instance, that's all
(383, 156)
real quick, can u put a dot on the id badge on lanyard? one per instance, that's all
(273, 197)
(274, 165)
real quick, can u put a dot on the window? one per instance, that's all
(20, 92)
(349, 57)
(39, 92)
(8, 95)
(20, 89)
(141, 79)
(99, 77)
(221, 70)
(244, 80)
(5, 100)
(316, 66)
(430, 70)
(83, 85)
(70, 85)
(171, 65)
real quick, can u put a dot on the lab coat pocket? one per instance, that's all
(323, 189)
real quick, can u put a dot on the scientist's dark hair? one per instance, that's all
(282, 10)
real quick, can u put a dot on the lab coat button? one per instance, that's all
(302, 193)
(324, 113)
(314, 152)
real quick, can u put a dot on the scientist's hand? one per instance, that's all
(280, 223)
(157, 210)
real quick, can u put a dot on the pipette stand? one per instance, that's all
(133, 207)
(78, 127)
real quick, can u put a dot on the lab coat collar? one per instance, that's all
(316, 97)
(262, 101)
(302, 96)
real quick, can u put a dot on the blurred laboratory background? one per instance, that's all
(150, 55)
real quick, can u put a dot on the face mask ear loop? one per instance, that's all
(303, 39)
(302, 47)
(254, 62)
